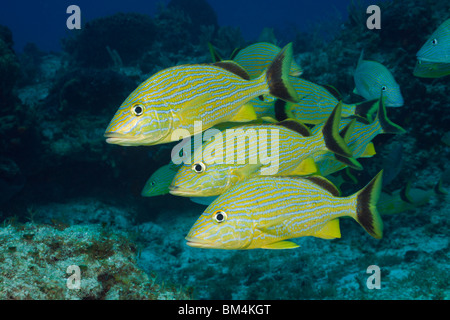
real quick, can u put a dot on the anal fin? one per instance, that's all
(245, 114)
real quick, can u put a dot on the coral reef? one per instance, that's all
(37, 263)
(77, 199)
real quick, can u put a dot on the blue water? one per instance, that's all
(44, 22)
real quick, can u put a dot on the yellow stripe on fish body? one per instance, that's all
(371, 78)
(176, 97)
(256, 57)
(295, 151)
(218, 174)
(264, 212)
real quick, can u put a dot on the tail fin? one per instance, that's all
(387, 125)
(366, 111)
(277, 76)
(366, 210)
(333, 140)
(345, 134)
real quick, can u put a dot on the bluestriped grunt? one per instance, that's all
(176, 97)
(265, 211)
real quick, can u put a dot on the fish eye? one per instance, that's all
(137, 109)
(152, 183)
(383, 88)
(220, 216)
(198, 167)
(434, 42)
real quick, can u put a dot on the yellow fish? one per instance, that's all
(176, 97)
(290, 150)
(265, 211)
(372, 78)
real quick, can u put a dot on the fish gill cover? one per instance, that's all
(59, 180)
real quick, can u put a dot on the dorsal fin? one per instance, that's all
(348, 176)
(296, 126)
(325, 184)
(214, 53)
(334, 92)
(233, 67)
(438, 189)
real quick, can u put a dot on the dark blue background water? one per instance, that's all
(44, 22)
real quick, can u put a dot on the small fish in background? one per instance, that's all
(159, 181)
(372, 78)
(176, 97)
(264, 212)
(317, 102)
(407, 198)
(437, 47)
(256, 58)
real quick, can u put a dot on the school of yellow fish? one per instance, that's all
(260, 200)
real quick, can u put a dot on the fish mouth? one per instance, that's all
(199, 243)
(179, 191)
(123, 139)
